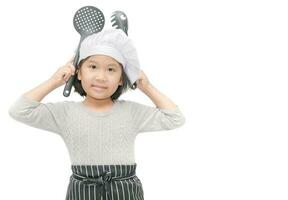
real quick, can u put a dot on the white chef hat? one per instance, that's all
(116, 44)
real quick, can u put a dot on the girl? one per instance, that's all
(100, 131)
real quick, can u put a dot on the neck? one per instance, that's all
(98, 103)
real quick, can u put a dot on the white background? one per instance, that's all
(223, 62)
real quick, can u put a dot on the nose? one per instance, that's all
(100, 75)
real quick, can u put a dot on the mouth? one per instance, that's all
(98, 87)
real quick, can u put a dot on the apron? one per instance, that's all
(104, 182)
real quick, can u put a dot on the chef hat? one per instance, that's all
(116, 44)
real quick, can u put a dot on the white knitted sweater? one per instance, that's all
(96, 137)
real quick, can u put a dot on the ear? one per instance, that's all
(121, 82)
(122, 72)
(78, 72)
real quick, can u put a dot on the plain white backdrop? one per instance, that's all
(223, 62)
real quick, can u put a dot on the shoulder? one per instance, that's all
(60, 106)
(65, 103)
(136, 107)
(128, 103)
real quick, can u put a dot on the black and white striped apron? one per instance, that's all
(104, 182)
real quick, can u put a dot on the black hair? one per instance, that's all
(120, 90)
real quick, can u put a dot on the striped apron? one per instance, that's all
(104, 182)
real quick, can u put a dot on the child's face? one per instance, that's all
(103, 71)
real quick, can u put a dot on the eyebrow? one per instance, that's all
(92, 61)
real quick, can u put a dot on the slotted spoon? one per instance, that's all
(87, 20)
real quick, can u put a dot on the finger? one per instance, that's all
(71, 59)
(67, 76)
(64, 76)
(68, 68)
(66, 72)
(67, 79)
(72, 67)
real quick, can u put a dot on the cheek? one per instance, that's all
(116, 79)
(85, 76)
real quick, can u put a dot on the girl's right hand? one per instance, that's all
(62, 75)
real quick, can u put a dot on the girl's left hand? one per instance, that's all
(142, 81)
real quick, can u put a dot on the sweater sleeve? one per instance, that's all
(46, 116)
(147, 119)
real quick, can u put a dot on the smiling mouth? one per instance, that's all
(98, 87)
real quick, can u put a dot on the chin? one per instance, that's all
(99, 96)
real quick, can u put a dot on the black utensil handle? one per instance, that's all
(69, 83)
(134, 86)
(68, 86)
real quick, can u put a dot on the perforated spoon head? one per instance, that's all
(88, 20)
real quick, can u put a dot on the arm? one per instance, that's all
(29, 110)
(47, 116)
(159, 99)
(166, 116)
(39, 92)
(60, 77)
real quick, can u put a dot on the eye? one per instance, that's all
(92, 66)
(112, 69)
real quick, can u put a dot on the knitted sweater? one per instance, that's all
(96, 137)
